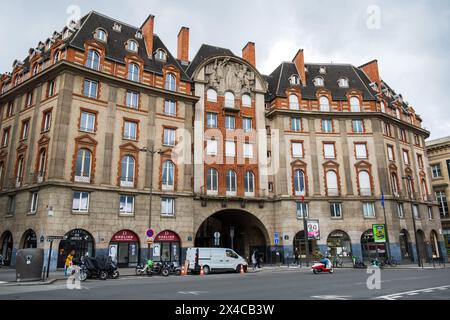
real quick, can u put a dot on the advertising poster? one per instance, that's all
(313, 229)
(379, 233)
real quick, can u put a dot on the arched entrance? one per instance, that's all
(370, 248)
(167, 247)
(435, 250)
(339, 244)
(299, 243)
(29, 239)
(422, 246)
(124, 249)
(405, 246)
(237, 229)
(7, 247)
(78, 240)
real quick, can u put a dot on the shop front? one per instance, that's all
(7, 247)
(124, 249)
(80, 242)
(167, 247)
(370, 248)
(339, 244)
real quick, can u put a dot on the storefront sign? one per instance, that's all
(78, 235)
(125, 236)
(313, 229)
(379, 233)
(167, 236)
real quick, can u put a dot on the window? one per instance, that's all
(11, 205)
(19, 170)
(132, 46)
(390, 151)
(297, 149)
(230, 122)
(430, 213)
(167, 207)
(168, 175)
(87, 121)
(169, 137)
(83, 166)
(406, 157)
(161, 55)
(336, 210)
(80, 201)
(29, 101)
(318, 82)
(302, 210)
(361, 151)
(249, 183)
(212, 180)
(93, 60)
(247, 124)
(400, 210)
(365, 188)
(133, 72)
(51, 89)
(327, 126)
(2, 165)
(296, 124)
(324, 103)
(100, 35)
(383, 107)
(127, 171)
(332, 183)
(47, 121)
(355, 104)
(57, 57)
(397, 113)
(211, 95)
(329, 152)
(436, 170)
(25, 129)
(416, 140)
(231, 182)
(90, 89)
(416, 211)
(248, 150)
(211, 120)
(10, 109)
(293, 102)
(132, 99)
(5, 138)
(420, 161)
(34, 202)
(294, 80)
(35, 70)
(171, 82)
(299, 183)
(394, 183)
(441, 198)
(170, 108)
(409, 186)
(42, 164)
(387, 129)
(211, 147)
(403, 135)
(230, 148)
(343, 83)
(358, 126)
(229, 100)
(368, 209)
(126, 204)
(130, 130)
(246, 100)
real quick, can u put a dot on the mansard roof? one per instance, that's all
(205, 52)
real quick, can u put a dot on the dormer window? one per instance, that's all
(132, 46)
(343, 83)
(161, 55)
(66, 34)
(138, 35)
(294, 80)
(117, 27)
(100, 35)
(57, 56)
(322, 70)
(35, 69)
(318, 82)
(383, 106)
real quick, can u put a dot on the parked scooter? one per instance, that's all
(163, 268)
(319, 267)
(101, 268)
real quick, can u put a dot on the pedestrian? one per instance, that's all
(296, 254)
(254, 260)
(69, 262)
(196, 265)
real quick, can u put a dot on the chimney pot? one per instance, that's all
(147, 31)
(183, 45)
(248, 53)
(299, 61)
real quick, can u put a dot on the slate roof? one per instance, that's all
(205, 52)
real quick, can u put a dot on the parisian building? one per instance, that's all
(439, 158)
(105, 134)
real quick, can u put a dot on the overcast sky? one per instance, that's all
(411, 39)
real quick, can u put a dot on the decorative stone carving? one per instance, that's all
(228, 75)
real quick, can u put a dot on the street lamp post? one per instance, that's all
(388, 251)
(409, 180)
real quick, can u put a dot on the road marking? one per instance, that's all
(411, 293)
(195, 293)
(331, 297)
(3, 282)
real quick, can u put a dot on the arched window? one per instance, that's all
(161, 55)
(299, 182)
(168, 175)
(231, 182)
(133, 72)
(229, 99)
(364, 183)
(132, 46)
(294, 80)
(19, 172)
(100, 35)
(171, 83)
(343, 83)
(410, 187)
(93, 60)
(246, 100)
(83, 166)
(249, 183)
(324, 103)
(293, 102)
(383, 107)
(354, 104)
(57, 56)
(127, 171)
(394, 183)
(424, 189)
(211, 95)
(332, 183)
(212, 180)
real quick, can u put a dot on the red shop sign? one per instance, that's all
(125, 236)
(167, 236)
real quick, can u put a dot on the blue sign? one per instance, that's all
(276, 238)
(150, 233)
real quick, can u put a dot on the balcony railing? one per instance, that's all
(83, 178)
(37, 177)
(127, 183)
(230, 106)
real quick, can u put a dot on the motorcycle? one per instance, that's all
(100, 268)
(319, 267)
(163, 268)
(174, 269)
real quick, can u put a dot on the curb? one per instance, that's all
(23, 284)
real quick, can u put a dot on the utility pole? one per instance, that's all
(409, 188)
(388, 251)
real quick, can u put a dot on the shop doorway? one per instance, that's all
(167, 247)
(405, 246)
(370, 248)
(422, 246)
(435, 250)
(29, 240)
(124, 249)
(78, 240)
(339, 244)
(299, 243)
(7, 247)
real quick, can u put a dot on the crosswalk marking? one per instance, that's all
(411, 293)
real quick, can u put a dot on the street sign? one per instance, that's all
(150, 240)
(52, 238)
(276, 238)
(150, 233)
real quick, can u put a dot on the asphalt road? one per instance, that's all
(344, 284)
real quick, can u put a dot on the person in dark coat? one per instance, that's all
(296, 254)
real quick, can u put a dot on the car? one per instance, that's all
(215, 260)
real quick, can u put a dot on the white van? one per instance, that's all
(216, 259)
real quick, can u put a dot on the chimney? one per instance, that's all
(371, 70)
(299, 61)
(248, 53)
(147, 31)
(183, 45)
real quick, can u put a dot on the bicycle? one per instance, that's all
(338, 262)
(390, 262)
